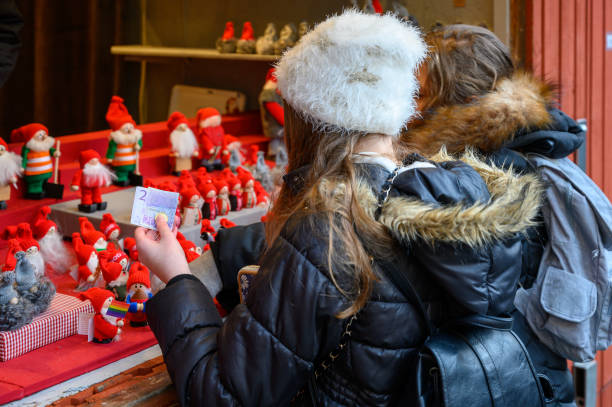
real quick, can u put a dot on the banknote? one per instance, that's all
(150, 202)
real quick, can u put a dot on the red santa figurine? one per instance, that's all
(106, 328)
(51, 242)
(223, 202)
(183, 143)
(235, 193)
(110, 228)
(91, 236)
(10, 169)
(209, 193)
(190, 209)
(125, 142)
(249, 197)
(92, 176)
(89, 266)
(139, 292)
(114, 267)
(190, 249)
(211, 138)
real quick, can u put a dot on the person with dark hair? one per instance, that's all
(10, 25)
(472, 97)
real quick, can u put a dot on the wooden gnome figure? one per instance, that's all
(107, 328)
(183, 142)
(114, 267)
(227, 43)
(223, 203)
(10, 170)
(37, 289)
(36, 156)
(125, 142)
(91, 236)
(89, 263)
(211, 137)
(110, 228)
(31, 247)
(190, 209)
(272, 113)
(286, 39)
(249, 197)
(265, 43)
(139, 292)
(209, 207)
(92, 176)
(246, 43)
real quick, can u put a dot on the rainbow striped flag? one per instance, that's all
(117, 309)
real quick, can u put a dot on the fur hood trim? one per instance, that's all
(519, 102)
(512, 209)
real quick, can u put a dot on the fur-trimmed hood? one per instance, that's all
(488, 123)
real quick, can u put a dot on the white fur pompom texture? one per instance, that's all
(354, 72)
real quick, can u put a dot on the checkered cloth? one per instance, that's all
(58, 322)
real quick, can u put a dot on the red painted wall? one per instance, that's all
(566, 43)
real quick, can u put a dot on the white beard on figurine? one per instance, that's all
(35, 257)
(10, 167)
(183, 141)
(54, 251)
(40, 145)
(127, 134)
(97, 175)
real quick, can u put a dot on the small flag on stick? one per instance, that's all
(117, 309)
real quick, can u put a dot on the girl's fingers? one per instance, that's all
(162, 226)
(142, 241)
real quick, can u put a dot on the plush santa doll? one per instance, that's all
(139, 292)
(31, 247)
(125, 141)
(183, 142)
(190, 209)
(10, 170)
(110, 228)
(272, 113)
(249, 197)
(91, 236)
(114, 267)
(223, 203)
(246, 43)
(106, 328)
(92, 176)
(36, 153)
(211, 137)
(89, 264)
(51, 242)
(129, 247)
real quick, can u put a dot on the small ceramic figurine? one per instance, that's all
(190, 209)
(183, 143)
(37, 289)
(209, 207)
(235, 192)
(10, 170)
(139, 292)
(107, 328)
(92, 176)
(223, 202)
(286, 39)
(36, 154)
(227, 43)
(265, 43)
(211, 137)
(246, 43)
(125, 142)
(272, 113)
(110, 228)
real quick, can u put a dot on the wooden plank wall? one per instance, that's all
(565, 43)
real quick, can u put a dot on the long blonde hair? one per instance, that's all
(329, 191)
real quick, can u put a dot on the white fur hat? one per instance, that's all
(354, 72)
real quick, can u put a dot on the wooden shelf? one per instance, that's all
(145, 52)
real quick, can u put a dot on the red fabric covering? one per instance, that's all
(65, 359)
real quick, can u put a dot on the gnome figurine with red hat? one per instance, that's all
(183, 142)
(209, 207)
(51, 242)
(246, 43)
(114, 267)
(107, 328)
(249, 197)
(92, 176)
(190, 208)
(10, 169)
(227, 43)
(125, 141)
(91, 236)
(211, 138)
(110, 228)
(36, 153)
(223, 203)
(31, 247)
(139, 292)
(272, 112)
(89, 264)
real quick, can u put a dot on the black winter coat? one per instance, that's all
(268, 348)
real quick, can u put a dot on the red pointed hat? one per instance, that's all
(220, 183)
(83, 251)
(3, 143)
(205, 188)
(270, 76)
(228, 33)
(108, 225)
(226, 223)
(117, 114)
(42, 224)
(130, 245)
(97, 296)
(24, 235)
(247, 31)
(175, 119)
(89, 233)
(25, 133)
(244, 176)
(207, 227)
(88, 155)
(139, 274)
(9, 232)
(117, 256)
(10, 262)
(206, 112)
(110, 271)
